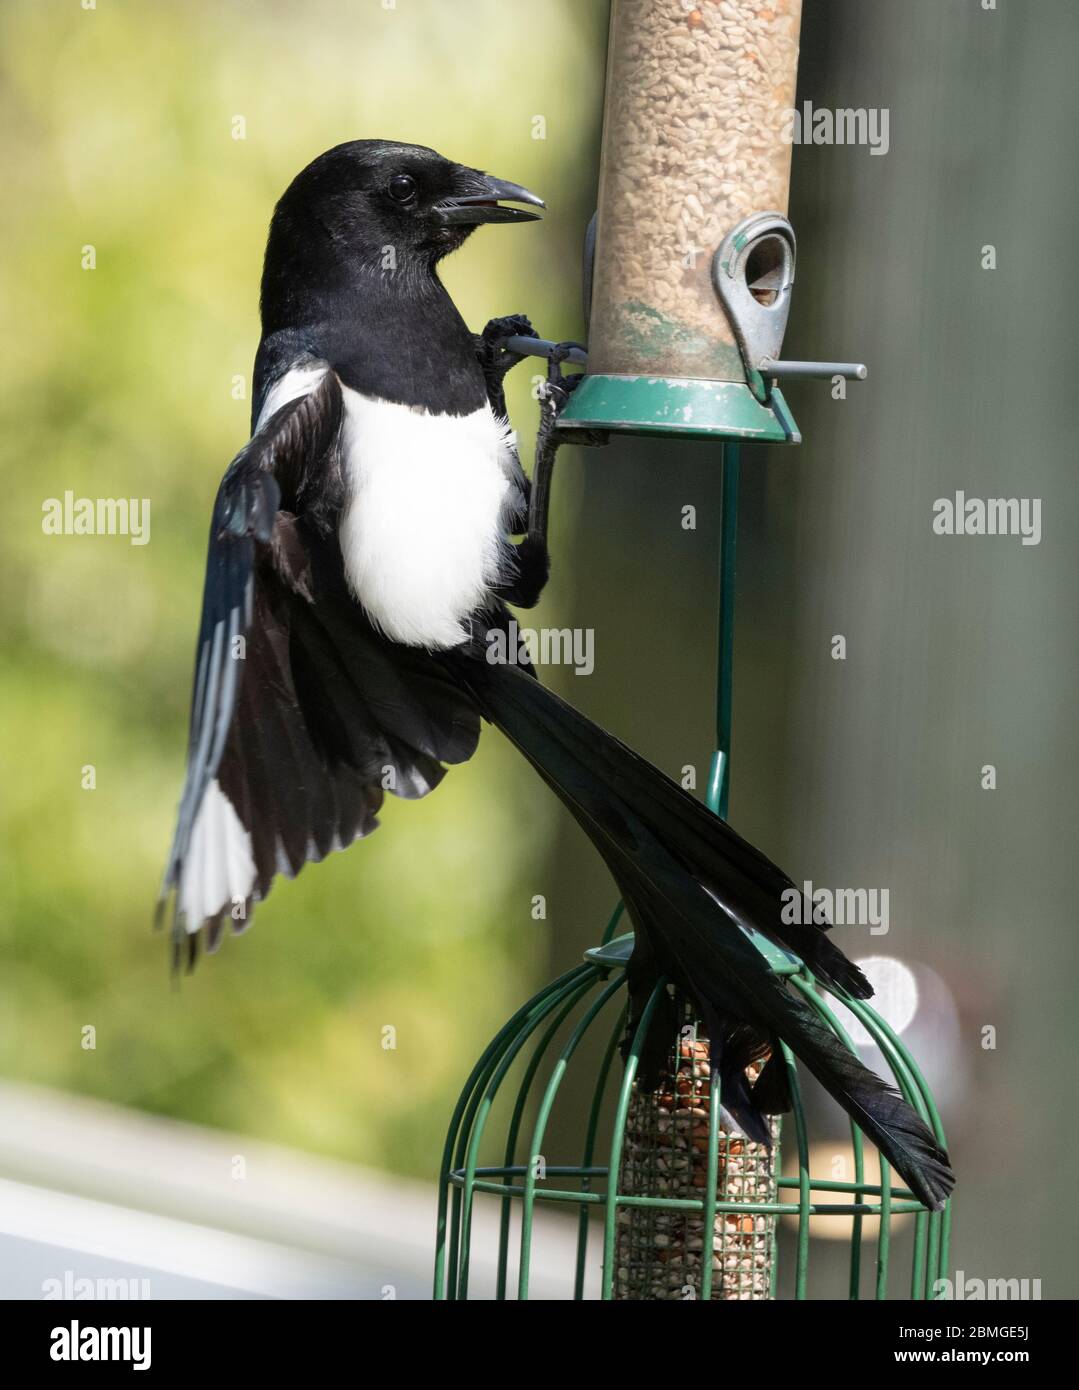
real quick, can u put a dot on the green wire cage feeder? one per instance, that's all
(688, 279)
(667, 1205)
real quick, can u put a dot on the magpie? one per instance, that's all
(362, 552)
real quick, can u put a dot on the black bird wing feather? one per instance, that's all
(307, 722)
(244, 517)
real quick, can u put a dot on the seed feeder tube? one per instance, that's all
(694, 257)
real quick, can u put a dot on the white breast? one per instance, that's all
(422, 529)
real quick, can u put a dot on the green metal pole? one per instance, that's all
(719, 781)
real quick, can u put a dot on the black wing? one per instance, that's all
(302, 715)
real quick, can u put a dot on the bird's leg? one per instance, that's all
(495, 361)
(532, 555)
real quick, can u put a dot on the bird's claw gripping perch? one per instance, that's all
(497, 331)
(495, 358)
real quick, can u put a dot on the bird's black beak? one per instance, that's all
(483, 203)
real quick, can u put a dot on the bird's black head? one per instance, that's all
(377, 205)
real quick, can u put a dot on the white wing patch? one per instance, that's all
(422, 531)
(296, 382)
(219, 869)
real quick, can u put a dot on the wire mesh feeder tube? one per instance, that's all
(675, 1146)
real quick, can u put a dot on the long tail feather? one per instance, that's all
(690, 883)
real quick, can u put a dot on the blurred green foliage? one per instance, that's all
(117, 130)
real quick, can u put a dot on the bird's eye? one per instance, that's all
(402, 188)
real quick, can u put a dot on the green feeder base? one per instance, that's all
(685, 406)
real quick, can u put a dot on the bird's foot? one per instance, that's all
(495, 358)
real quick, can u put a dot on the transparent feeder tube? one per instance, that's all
(696, 137)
